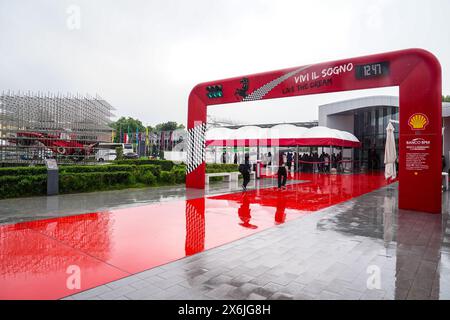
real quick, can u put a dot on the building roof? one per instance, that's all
(358, 103)
(347, 106)
(305, 124)
(280, 135)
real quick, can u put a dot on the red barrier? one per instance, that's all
(417, 73)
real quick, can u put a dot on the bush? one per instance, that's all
(93, 181)
(119, 153)
(143, 169)
(20, 186)
(220, 167)
(96, 168)
(19, 164)
(22, 171)
(27, 181)
(179, 173)
(165, 165)
(167, 177)
(148, 178)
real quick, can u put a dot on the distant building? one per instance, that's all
(367, 118)
(35, 126)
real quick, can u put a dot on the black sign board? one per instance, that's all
(372, 70)
(51, 164)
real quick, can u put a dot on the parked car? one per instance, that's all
(131, 155)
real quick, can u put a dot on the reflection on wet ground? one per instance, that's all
(364, 248)
(361, 248)
(37, 208)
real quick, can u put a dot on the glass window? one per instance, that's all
(367, 123)
(385, 119)
(394, 113)
(373, 121)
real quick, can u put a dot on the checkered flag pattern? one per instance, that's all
(195, 229)
(195, 147)
(265, 89)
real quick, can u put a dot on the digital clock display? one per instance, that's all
(372, 70)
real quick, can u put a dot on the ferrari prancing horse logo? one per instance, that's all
(242, 92)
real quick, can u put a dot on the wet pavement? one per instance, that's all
(38, 208)
(324, 238)
(364, 248)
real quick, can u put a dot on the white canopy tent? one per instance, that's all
(280, 135)
(283, 135)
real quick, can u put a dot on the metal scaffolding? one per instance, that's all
(35, 126)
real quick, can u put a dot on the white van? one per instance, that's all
(107, 151)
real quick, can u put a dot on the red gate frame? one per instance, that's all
(417, 73)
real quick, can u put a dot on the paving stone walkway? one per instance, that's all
(360, 249)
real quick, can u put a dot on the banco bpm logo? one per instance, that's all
(418, 121)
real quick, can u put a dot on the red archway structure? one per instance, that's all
(417, 73)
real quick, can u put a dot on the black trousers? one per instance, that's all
(246, 177)
(282, 176)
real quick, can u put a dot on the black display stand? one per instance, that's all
(52, 177)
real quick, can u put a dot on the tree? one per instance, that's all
(125, 125)
(168, 126)
(445, 98)
(119, 153)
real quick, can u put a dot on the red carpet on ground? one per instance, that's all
(39, 259)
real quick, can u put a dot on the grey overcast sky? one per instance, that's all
(144, 56)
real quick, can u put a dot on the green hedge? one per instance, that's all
(93, 181)
(152, 168)
(179, 173)
(28, 181)
(220, 167)
(27, 171)
(165, 165)
(8, 164)
(148, 178)
(96, 168)
(155, 166)
(20, 186)
(22, 171)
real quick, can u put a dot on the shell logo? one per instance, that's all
(418, 121)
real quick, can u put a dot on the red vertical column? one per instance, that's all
(420, 142)
(195, 166)
(195, 226)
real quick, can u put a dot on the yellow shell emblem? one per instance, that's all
(418, 121)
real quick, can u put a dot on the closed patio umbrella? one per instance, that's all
(390, 154)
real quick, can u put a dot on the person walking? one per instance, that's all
(245, 169)
(321, 162)
(282, 172)
(269, 159)
(326, 159)
(315, 160)
(289, 161)
(224, 157)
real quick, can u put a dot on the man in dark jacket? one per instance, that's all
(245, 169)
(282, 172)
(289, 161)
